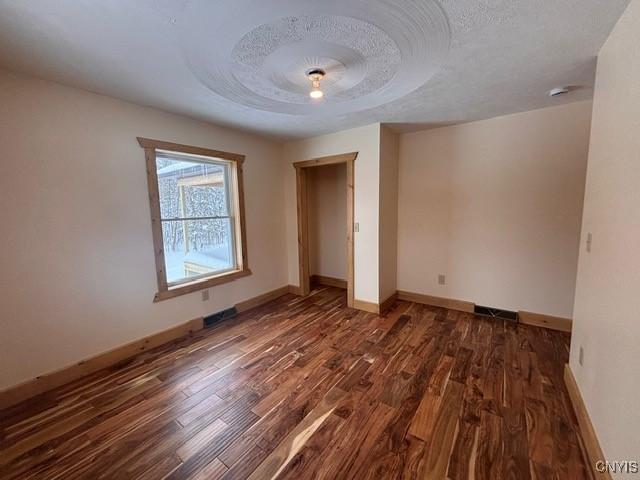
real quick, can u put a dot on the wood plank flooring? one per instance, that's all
(308, 388)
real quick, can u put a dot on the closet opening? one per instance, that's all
(325, 200)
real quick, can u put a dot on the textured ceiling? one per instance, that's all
(261, 58)
(242, 63)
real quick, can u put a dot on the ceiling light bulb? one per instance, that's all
(315, 75)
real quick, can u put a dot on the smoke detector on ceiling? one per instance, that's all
(556, 92)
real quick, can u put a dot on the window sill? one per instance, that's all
(201, 284)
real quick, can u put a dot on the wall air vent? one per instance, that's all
(496, 313)
(214, 318)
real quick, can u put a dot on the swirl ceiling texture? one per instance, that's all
(373, 51)
(414, 64)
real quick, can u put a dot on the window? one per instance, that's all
(197, 216)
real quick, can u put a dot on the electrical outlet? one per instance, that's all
(589, 241)
(356, 227)
(205, 295)
(581, 356)
(441, 279)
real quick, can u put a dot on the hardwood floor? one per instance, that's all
(307, 388)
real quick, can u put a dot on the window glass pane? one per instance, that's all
(190, 189)
(194, 248)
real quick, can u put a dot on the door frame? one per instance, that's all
(303, 217)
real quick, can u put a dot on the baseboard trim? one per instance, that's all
(591, 443)
(528, 318)
(545, 321)
(262, 299)
(49, 381)
(328, 281)
(388, 303)
(295, 290)
(366, 306)
(57, 378)
(450, 303)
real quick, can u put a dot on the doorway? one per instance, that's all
(302, 188)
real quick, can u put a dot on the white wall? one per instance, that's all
(76, 255)
(327, 201)
(389, 149)
(365, 141)
(495, 206)
(607, 305)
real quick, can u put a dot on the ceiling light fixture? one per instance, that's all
(315, 75)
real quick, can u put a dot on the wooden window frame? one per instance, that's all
(165, 291)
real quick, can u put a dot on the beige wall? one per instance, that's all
(327, 200)
(389, 144)
(607, 306)
(365, 141)
(495, 206)
(76, 255)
